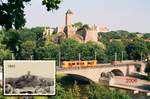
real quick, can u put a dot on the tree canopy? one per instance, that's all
(137, 49)
(12, 12)
(118, 48)
(96, 91)
(146, 36)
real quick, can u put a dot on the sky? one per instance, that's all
(130, 15)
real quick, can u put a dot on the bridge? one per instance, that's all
(95, 74)
(115, 75)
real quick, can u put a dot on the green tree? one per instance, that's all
(60, 92)
(1, 95)
(12, 11)
(111, 35)
(49, 51)
(52, 51)
(5, 54)
(148, 45)
(124, 34)
(40, 53)
(12, 40)
(69, 49)
(106, 37)
(27, 49)
(118, 48)
(132, 36)
(81, 30)
(96, 91)
(137, 48)
(26, 34)
(146, 36)
(73, 93)
(78, 25)
(1, 35)
(38, 31)
(92, 50)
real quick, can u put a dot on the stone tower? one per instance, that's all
(70, 30)
(69, 15)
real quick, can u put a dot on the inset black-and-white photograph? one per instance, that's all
(29, 77)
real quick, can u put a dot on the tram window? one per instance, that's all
(89, 62)
(77, 63)
(73, 63)
(81, 63)
(69, 64)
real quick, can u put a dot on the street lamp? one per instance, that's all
(59, 60)
(12, 56)
(95, 55)
(115, 56)
(31, 57)
(122, 55)
(141, 56)
(79, 58)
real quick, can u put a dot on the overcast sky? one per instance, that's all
(131, 15)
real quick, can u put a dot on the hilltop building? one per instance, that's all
(91, 34)
(103, 29)
(71, 31)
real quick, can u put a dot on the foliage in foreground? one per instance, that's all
(100, 92)
(12, 11)
(94, 91)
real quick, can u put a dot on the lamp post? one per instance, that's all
(31, 57)
(141, 56)
(59, 60)
(122, 55)
(79, 58)
(12, 56)
(115, 56)
(95, 55)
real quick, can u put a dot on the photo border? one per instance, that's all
(3, 78)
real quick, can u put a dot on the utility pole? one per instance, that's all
(31, 57)
(12, 56)
(141, 56)
(115, 56)
(122, 55)
(79, 57)
(59, 60)
(95, 55)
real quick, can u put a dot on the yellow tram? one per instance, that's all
(79, 64)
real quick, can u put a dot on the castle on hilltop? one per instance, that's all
(71, 31)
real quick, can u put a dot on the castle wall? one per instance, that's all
(91, 35)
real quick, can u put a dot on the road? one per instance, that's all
(132, 83)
